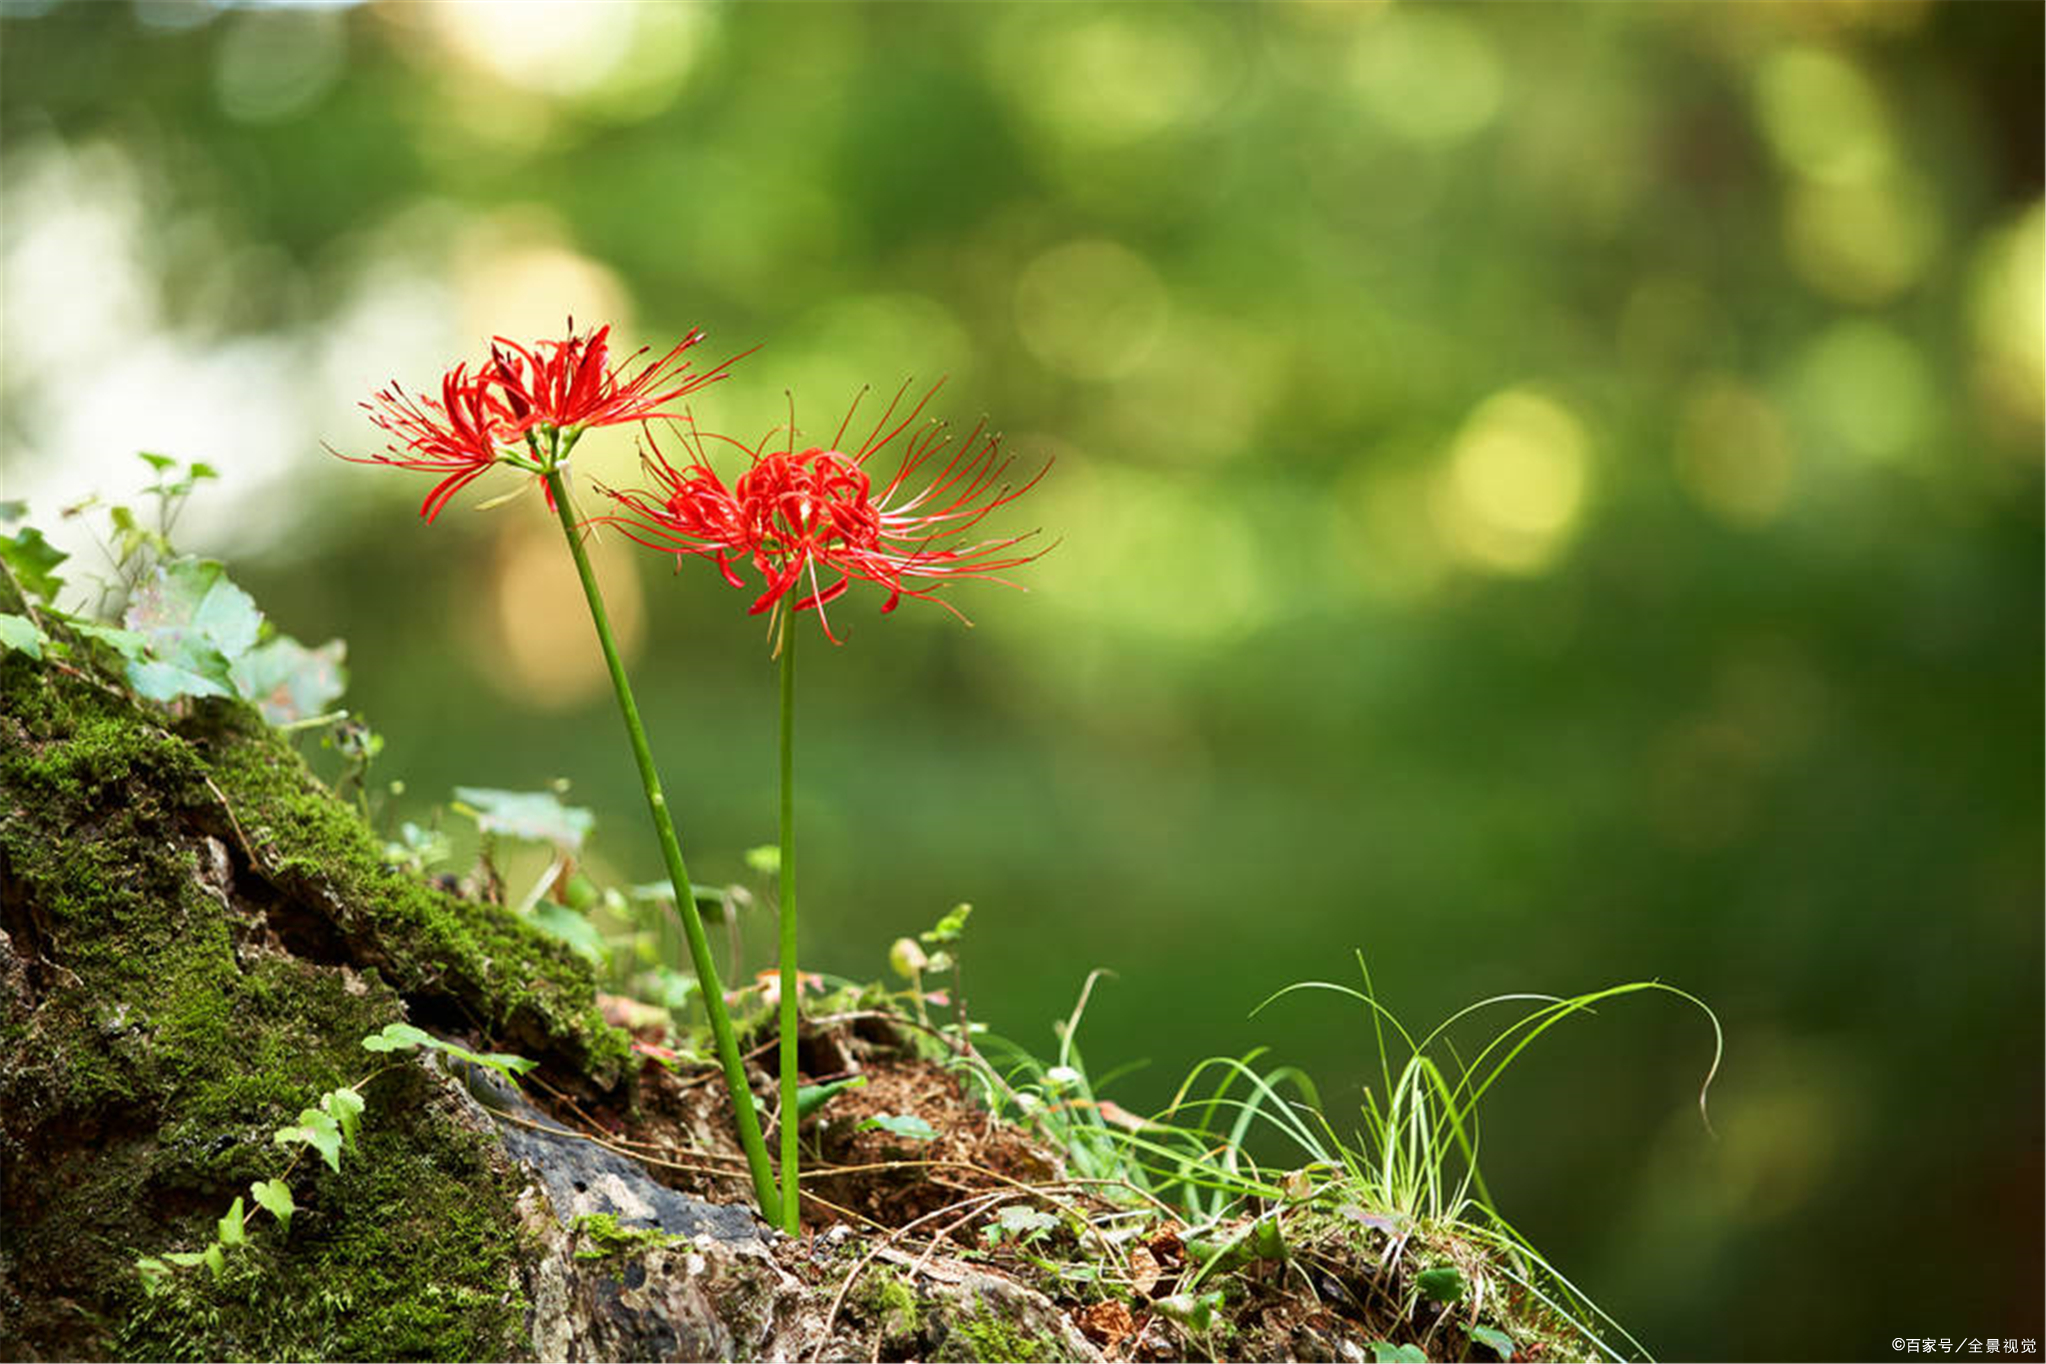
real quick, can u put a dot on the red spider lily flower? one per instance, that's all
(561, 388)
(799, 516)
(565, 384)
(457, 435)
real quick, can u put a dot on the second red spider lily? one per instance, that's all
(811, 522)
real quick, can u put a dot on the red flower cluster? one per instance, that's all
(799, 516)
(554, 391)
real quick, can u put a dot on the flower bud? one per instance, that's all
(907, 958)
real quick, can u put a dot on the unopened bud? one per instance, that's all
(907, 958)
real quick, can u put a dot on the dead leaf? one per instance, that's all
(1144, 1271)
(1107, 1324)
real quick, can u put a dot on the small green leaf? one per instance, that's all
(12, 509)
(214, 1259)
(232, 1232)
(810, 1098)
(1495, 1340)
(185, 1259)
(22, 634)
(274, 1197)
(765, 859)
(193, 597)
(318, 1130)
(126, 643)
(156, 461)
(1267, 1241)
(1018, 1220)
(504, 1063)
(1194, 1311)
(536, 816)
(346, 1106)
(200, 469)
(950, 927)
(906, 1125)
(153, 1272)
(1443, 1284)
(288, 681)
(397, 1037)
(31, 558)
(559, 921)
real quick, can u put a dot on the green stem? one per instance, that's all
(790, 1203)
(743, 1114)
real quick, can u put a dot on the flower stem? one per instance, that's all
(790, 982)
(744, 1116)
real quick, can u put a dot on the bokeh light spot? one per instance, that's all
(1863, 242)
(1428, 75)
(553, 47)
(1108, 78)
(1821, 116)
(539, 643)
(1514, 483)
(2007, 284)
(1090, 309)
(1867, 388)
(274, 63)
(1733, 452)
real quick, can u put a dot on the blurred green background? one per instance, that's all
(1547, 496)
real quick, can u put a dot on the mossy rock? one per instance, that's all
(196, 937)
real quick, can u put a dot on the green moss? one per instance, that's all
(988, 1338)
(396, 1257)
(602, 1237)
(889, 1302)
(167, 1031)
(534, 992)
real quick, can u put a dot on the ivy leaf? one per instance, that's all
(196, 624)
(1444, 1284)
(232, 1230)
(1196, 1312)
(397, 1037)
(274, 1197)
(536, 816)
(126, 643)
(214, 1259)
(559, 921)
(904, 1125)
(1495, 1340)
(288, 681)
(346, 1106)
(1021, 1221)
(318, 1130)
(21, 634)
(195, 595)
(31, 558)
(185, 1259)
(157, 681)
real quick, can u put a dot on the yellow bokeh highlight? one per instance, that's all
(537, 634)
(519, 277)
(1822, 116)
(1733, 452)
(2007, 318)
(1514, 484)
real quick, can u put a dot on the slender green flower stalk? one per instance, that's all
(790, 982)
(744, 1117)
